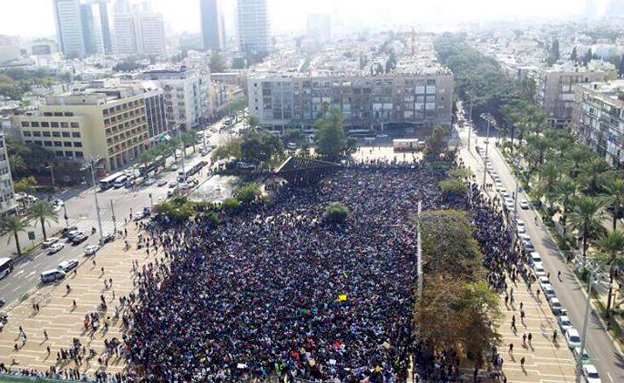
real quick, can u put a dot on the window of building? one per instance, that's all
(59, 153)
(75, 125)
(25, 124)
(54, 124)
(76, 134)
(56, 134)
(34, 124)
(47, 143)
(47, 134)
(79, 155)
(38, 143)
(69, 114)
(78, 144)
(45, 124)
(37, 134)
(69, 154)
(66, 134)
(27, 134)
(67, 144)
(58, 144)
(47, 114)
(58, 114)
(64, 125)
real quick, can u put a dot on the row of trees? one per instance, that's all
(40, 212)
(168, 148)
(458, 310)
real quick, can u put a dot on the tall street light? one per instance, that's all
(52, 176)
(489, 119)
(97, 205)
(579, 358)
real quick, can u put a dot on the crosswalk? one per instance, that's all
(86, 224)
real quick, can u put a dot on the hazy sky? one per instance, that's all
(35, 17)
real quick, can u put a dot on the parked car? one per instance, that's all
(174, 167)
(70, 235)
(68, 265)
(91, 249)
(49, 242)
(52, 275)
(573, 338)
(161, 183)
(79, 239)
(585, 359)
(549, 292)
(149, 182)
(138, 216)
(564, 323)
(543, 280)
(173, 184)
(591, 374)
(539, 270)
(68, 229)
(55, 248)
(556, 306)
(524, 204)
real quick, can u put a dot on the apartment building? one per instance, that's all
(108, 124)
(7, 192)
(599, 119)
(254, 29)
(415, 99)
(554, 88)
(187, 96)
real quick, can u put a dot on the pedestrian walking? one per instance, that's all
(510, 348)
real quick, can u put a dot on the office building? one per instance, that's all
(319, 28)
(7, 192)
(211, 24)
(69, 28)
(106, 124)
(415, 99)
(187, 97)
(138, 31)
(599, 119)
(555, 87)
(254, 31)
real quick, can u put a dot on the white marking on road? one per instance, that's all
(20, 272)
(610, 378)
(30, 274)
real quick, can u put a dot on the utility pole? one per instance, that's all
(52, 176)
(515, 218)
(579, 359)
(65, 215)
(470, 118)
(183, 153)
(114, 220)
(419, 254)
(97, 205)
(487, 117)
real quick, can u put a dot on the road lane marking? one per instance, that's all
(30, 274)
(20, 272)
(609, 375)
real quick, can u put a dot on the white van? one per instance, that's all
(52, 275)
(120, 182)
(535, 257)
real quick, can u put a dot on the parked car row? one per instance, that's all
(60, 272)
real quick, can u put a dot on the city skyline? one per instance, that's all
(290, 15)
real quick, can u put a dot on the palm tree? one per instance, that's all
(18, 165)
(593, 172)
(611, 255)
(614, 189)
(565, 191)
(586, 217)
(14, 224)
(577, 155)
(548, 176)
(42, 211)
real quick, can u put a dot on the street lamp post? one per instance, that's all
(97, 205)
(488, 119)
(183, 153)
(52, 176)
(470, 119)
(114, 219)
(65, 215)
(579, 358)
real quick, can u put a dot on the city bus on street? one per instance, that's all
(6, 266)
(109, 182)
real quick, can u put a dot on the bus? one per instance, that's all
(146, 169)
(408, 145)
(6, 266)
(121, 181)
(109, 182)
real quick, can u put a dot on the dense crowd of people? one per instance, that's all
(277, 291)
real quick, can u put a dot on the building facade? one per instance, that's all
(599, 119)
(211, 27)
(69, 28)
(554, 89)
(139, 31)
(319, 28)
(105, 124)
(7, 192)
(365, 101)
(254, 30)
(187, 97)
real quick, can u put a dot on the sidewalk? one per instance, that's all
(63, 323)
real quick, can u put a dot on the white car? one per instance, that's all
(524, 204)
(382, 136)
(543, 281)
(91, 249)
(505, 195)
(556, 307)
(173, 184)
(591, 374)
(55, 248)
(573, 338)
(539, 271)
(174, 167)
(162, 183)
(521, 229)
(564, 323)
(68, 265)
(549, 292)
(49, 242)
(149, 182)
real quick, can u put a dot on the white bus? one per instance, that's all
(6, 266)
(109, 182)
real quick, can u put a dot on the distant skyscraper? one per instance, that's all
(211, 24)
(319, 28)
(69, 29)
(104, 19)
(615, 8)
(150, 33)
(138, 31)
(254, 31)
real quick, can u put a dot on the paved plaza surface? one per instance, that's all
(62, 322)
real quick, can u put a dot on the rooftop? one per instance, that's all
(613, 89)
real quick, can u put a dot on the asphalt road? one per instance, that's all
(604, 354)
(82, 213)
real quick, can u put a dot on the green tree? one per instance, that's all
(189, 139)
(453, 186)
(294, 135)
(553, 54)
(217, 63)
(565, 191)
(593, 173)
(612, 256)
(18, 165)
(14, 225)
(436, 143)
(259, 146)
(330, 136)
(231, 206)
(336, 212)
(253, 122)
(42, 212)
(574, 55)
(614, 190)
(231, 149)
(577, 156)
(248, 193)
(586, 217)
